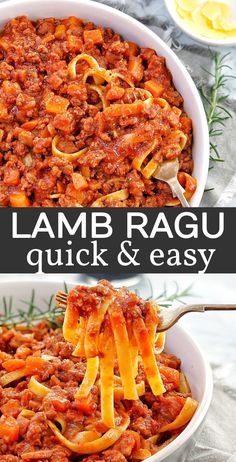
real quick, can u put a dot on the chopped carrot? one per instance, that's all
(47, 38)
(23, 351)
(44, 133)
(60, 187)
(56, 104)
(12, 176)
(95, 35)
(3, 111)
(132, 50)
(51, 130)
(33, 365)
(186, 124)
(135, 68)
(155, 88)
(59, 403)
(11, 88)
(21, 75)
(4, 356)
(60, 31)
(79, 196)
(85, 170)
(79, 181)
(19, 199)
(11, 408)
(26, 137)
(4, 44)
(9, 429)
(85, 405)
(170, 376)
(74, 43)
(115, 92)
(13, 364)
(30, 125)
(74, 89)
(72, 20)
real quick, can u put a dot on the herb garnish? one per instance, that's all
(213, 99)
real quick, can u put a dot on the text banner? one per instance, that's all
(79, 240)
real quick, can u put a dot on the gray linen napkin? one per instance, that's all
(217, 441)
(222, 177)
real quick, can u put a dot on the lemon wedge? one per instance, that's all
(187, 5)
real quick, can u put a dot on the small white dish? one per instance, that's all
(178, 342)
(171, 7)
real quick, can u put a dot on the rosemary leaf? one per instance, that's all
(216, 113)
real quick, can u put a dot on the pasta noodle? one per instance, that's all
(65, 155)
(182, 419)
(96, 445)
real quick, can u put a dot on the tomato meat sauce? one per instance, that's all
(43, 353)
(73, 133)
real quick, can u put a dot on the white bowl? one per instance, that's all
(171, 7)
(134, 31)
(178, 342)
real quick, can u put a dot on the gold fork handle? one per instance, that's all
(220, 307)
(171, 316)
(178, 191)
(205, 307)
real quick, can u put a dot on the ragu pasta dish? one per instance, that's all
(86, 118)
(99, 390)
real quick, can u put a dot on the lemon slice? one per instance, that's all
(199, 19)
(183, 14)
(203, 26)
(214, 10)
(187, 5)
(224, 25)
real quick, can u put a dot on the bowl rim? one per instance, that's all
(167, 53)
(202, 409)
(200, 38)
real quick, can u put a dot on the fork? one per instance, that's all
(168, 316)
(167, 171)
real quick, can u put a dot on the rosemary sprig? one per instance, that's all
(14, 317)
(214, 100)
(166, 298)
(32, 313)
